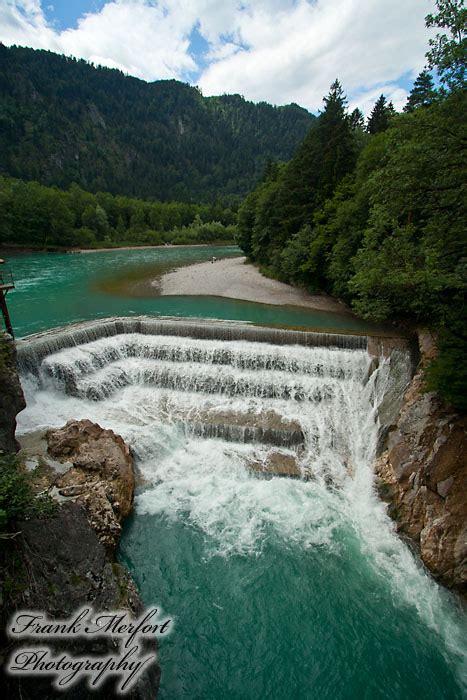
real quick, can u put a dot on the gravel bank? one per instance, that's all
(233, 279)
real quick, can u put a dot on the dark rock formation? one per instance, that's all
(66, 562)
(59, 566)
(11, 395)
(101, 476)
(423, 475)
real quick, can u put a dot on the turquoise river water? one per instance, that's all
(278, 588)
(54, 289)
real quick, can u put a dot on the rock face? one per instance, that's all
(59, 566)
(100, 477)
(423, 475)
(11, 395)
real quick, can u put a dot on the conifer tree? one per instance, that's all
(357, 119)
(423, 92)
(336, 140)
(323, 159)
(379, 118)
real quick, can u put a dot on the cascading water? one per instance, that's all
(280, 588)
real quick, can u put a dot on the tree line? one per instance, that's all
(375, 213)
(33, 215)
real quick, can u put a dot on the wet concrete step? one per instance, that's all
(268, 428)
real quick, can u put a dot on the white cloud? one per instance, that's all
(139, 37)
(276, 50)
(295, 55)
(222, 51)
(22, 22)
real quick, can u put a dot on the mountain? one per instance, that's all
(64, 120)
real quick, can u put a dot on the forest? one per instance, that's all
(374, 212)
(64, 121)
(32, 215)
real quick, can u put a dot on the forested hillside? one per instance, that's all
(63, 121)
(375, 213)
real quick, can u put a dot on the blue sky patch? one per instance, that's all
(64, 14)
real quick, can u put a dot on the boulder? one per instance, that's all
(101, 477)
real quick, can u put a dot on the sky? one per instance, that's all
(279, 51)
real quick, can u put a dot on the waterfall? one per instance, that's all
(212, 411)
(248, 391)
(32, 349)
(301, 393)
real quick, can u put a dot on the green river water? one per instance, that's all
(279, 588)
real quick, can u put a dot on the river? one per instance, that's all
(279, 588)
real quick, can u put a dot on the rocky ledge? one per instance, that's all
(63, 563)
(423, 476)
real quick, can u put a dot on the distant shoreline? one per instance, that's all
(142, 247)
(19, 250)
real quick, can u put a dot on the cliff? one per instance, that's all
(11, 395)
(58, 566)
(423, 475)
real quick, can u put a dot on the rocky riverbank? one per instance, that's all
(100, 476)
(423, 476)
(11, 395)
(68, 561)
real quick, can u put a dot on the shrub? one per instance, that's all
(17, 498)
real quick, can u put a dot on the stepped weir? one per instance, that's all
(292, 396)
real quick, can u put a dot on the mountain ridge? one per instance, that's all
(63, 120)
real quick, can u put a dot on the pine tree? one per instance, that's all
(336, 139)
(423, 92)
(324, 158)
(288, 197)
(357, 119)
(379, 118)
(391, 110)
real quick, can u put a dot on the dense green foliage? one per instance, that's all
(377, 219)
(63, 121)
(273, 216)
(45, 217)
(448, 51)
